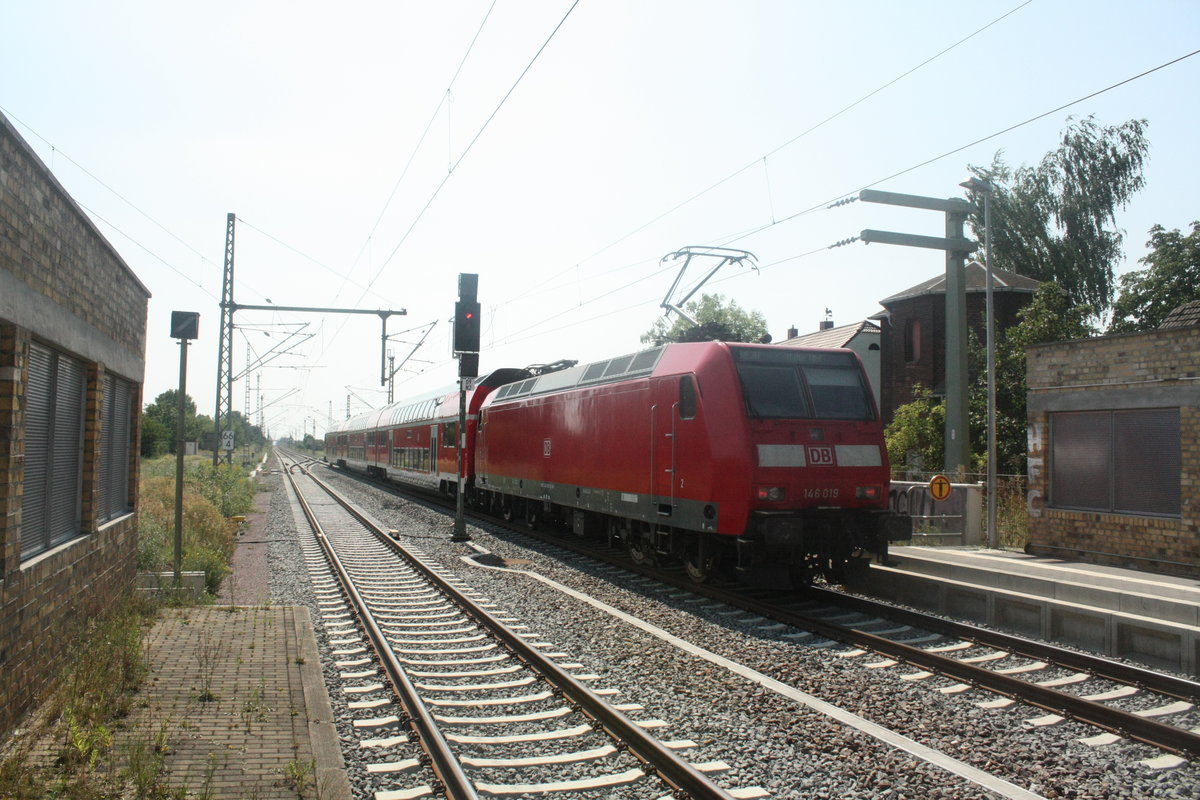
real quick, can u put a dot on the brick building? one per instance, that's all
(913, 330)
(72, 354)
(1114, 447)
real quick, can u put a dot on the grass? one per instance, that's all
(79, 744)
(67, 749)
(211, 497)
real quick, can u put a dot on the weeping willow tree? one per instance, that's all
(1056, 221)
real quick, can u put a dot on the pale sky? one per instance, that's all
(642, 127)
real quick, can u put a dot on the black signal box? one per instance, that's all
(185, 324)
(466, 326)
(468, 286)
(468, 365)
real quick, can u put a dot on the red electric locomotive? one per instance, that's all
(764, 459)
(767, 459)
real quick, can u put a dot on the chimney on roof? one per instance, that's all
(792, 332)
(826, 323)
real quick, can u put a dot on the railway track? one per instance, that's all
(1119, 700)
(462, 699)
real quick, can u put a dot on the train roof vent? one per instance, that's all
(505, 391)
(618, 366)
(645, 360)
(594, 372)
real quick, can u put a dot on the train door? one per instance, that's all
(675, 448)
(663, 431)
(433, 450)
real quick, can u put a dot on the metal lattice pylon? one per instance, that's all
(224, 411)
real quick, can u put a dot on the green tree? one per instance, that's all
(1057, 221)
(156, 439)
(1050, 317)
(197, 427)
(915, 435)
(1170, 279)
(165, 412)
(717, 320)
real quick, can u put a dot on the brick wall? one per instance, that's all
(76, 294)
(897, 376)
(1157, 369)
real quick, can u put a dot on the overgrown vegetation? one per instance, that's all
(67, 751)
(211, 497)
(78, 746)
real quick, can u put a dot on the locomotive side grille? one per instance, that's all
(618, 366)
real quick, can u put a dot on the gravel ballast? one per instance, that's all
(768, 740)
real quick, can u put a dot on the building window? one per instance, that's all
(114, 448)
(1125, 462)
(54, 405)
(912, 341)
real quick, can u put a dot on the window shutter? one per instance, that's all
(114, 480)
(67, 451)
(38, 389)
(1147, 452)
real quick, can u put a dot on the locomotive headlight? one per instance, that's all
(770, 493)
(868, 492)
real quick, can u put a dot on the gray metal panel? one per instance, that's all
(660, 510)
(1121, 397)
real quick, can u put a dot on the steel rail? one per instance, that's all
(1132, 726)
(1159, 682)
(1143, 729)
(671, 768)
(442, 759)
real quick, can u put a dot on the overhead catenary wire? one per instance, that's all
(471, 144)
(463, 155)
(802, 134)
(843, 197)
(825, 204)
(417, 147)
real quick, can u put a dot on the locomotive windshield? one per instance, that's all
(786, 383)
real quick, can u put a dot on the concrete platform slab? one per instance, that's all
(1152, 619)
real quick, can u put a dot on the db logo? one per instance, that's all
(546, 448)
(820, 455)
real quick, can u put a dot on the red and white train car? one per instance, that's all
(416, 441)
(767, 458)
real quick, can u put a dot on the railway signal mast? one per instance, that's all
(466, 350)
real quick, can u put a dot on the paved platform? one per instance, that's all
(1152, 619)
(236, 702)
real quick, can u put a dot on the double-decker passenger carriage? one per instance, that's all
(416, 441)
(768, 459)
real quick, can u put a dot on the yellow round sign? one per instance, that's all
(939, 487)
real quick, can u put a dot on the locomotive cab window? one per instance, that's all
(782, 383)
(837, 392)
(687, 398)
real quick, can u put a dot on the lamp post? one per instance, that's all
(983, 187)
